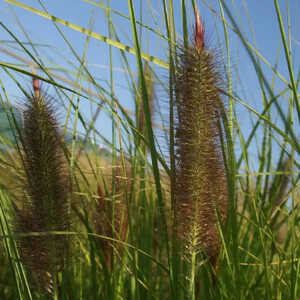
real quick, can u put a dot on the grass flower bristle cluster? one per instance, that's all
(45, 205)
(110, 218)
(201, 186)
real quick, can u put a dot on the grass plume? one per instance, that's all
(201, 186)
(110, 218)
(46, 190)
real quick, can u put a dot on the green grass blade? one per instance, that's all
(89, 33)
(287, 57)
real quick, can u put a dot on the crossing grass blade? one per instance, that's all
(89, 33)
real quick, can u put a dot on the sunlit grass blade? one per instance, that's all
(90, 33)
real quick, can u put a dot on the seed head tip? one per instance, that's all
(199, 31)
(36, 87)
(35, 84)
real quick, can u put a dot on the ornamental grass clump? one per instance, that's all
(200, 186)
(44, 207)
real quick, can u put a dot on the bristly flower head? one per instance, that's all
(46, 186)
(201, 185)
(110, 217)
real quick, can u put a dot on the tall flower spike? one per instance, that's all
(110, 218)
(201, 183)
(46, 189)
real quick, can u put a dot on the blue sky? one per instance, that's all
(261, 14)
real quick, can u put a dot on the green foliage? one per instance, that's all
(130, 206)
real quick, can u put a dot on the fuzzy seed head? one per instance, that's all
(110, 218)
(46, 189)
(201, 183)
